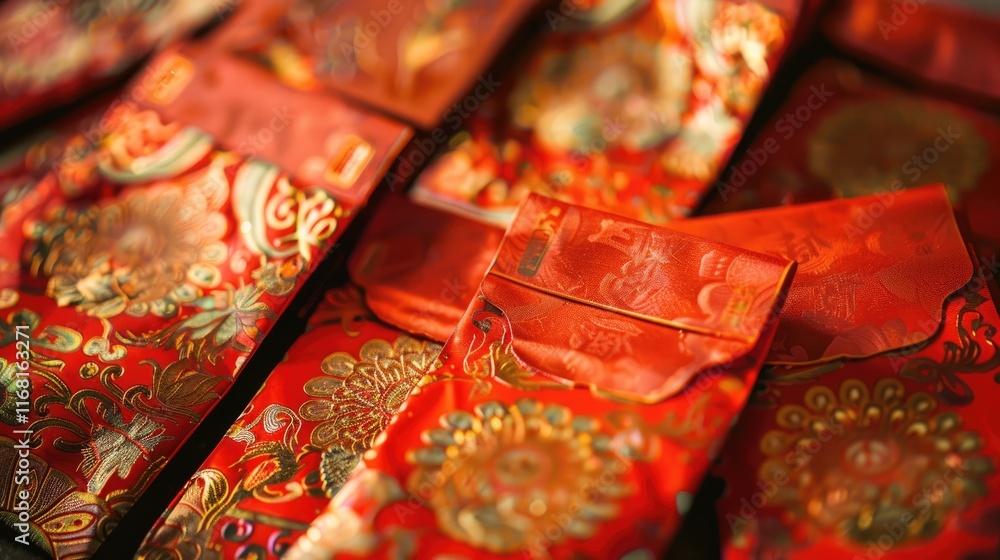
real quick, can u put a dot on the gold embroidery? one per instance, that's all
(115, 447)
(65, 522)
(358, 397)
(183, 534)
(966, 356)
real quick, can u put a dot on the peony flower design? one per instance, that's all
(733, 56)
(863, 459)
(508, 478)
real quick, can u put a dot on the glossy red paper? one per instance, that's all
(412, 60)
(864, 284)
(420, 267)
(945, 46)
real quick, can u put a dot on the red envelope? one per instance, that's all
(410, 60)
(883, 445)
(54, 51)
(627, 107)
(862, 136)
(297, 440)
(926, 42)
(139, 275)
(579, 401)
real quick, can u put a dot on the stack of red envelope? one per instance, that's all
(138, 275)
(529, 347)
(870, 433)
(574, 410)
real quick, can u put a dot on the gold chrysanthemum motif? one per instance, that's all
(358, 397)
(511, 478)
(146, 252)
(907, 140)
(861, 460)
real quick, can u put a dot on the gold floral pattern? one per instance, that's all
(974, 352)
(147, 252)
(358, 397)
(498, 478)
(864, 458)
(634, 118)
(898, 133)
(628, 91)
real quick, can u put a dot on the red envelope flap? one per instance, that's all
(420, 267)
(637, 270)
(874, 272)
(317, 139)
(626, 307)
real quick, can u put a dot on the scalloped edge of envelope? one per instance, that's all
(874, 272)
